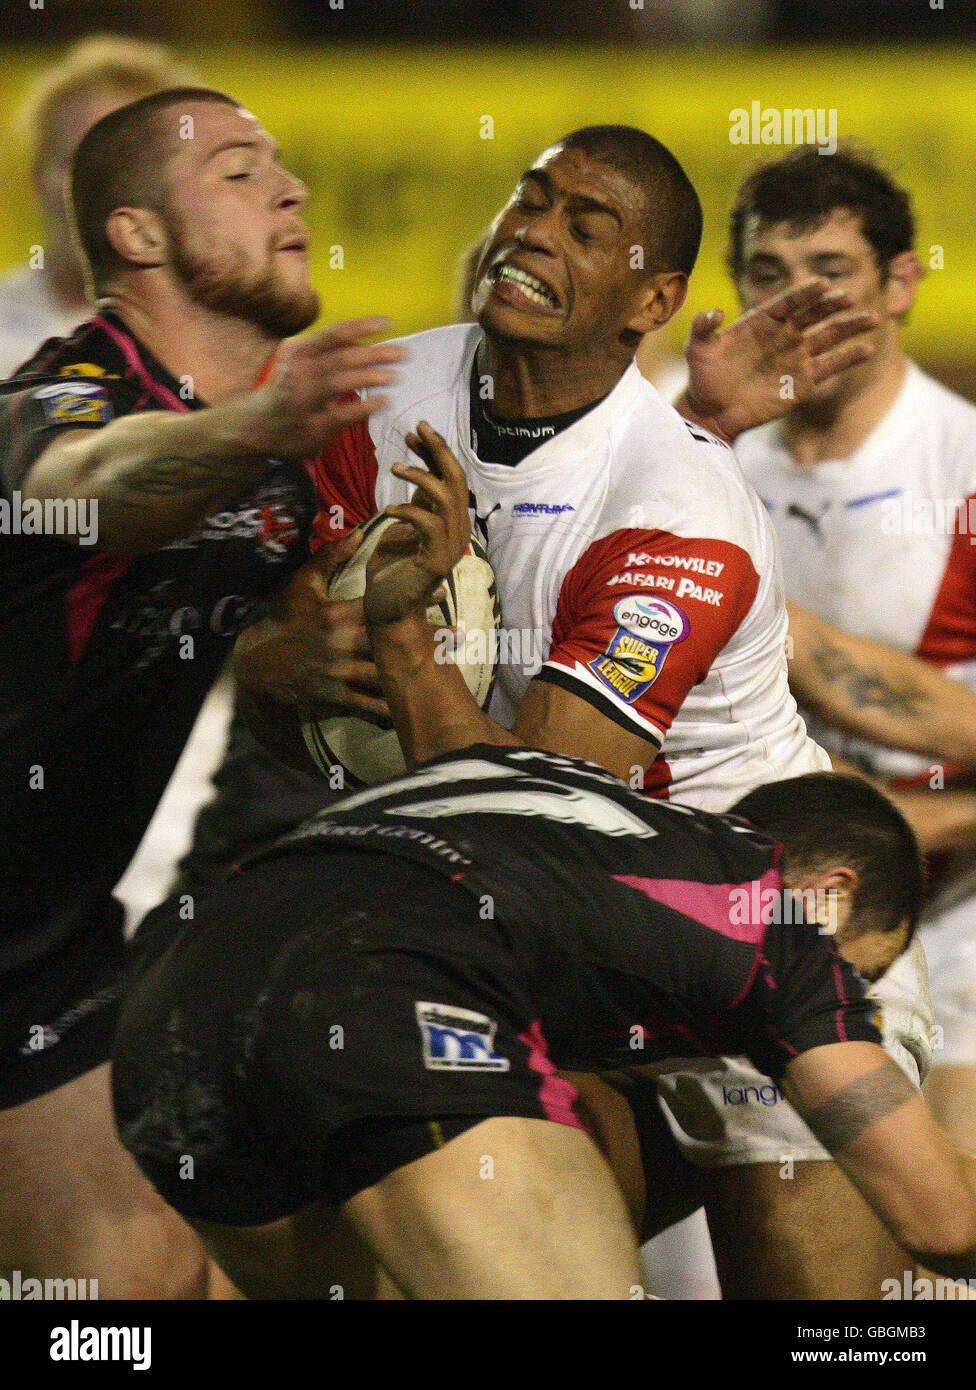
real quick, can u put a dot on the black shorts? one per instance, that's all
(58, 1012)
(293, 1043)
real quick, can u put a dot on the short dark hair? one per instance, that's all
(673, 213)
(805, 187)
(827, 819)
(118, 163)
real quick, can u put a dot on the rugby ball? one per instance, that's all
(370, 752)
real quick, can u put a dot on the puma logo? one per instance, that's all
(809, 519)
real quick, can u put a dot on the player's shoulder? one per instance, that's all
(436, 357)
(83, 379)
(428, 380)
(682, 477)
(936, 407)
(89, 353)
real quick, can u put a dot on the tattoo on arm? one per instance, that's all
(844, 1118)
(174, 477)
(864, 687)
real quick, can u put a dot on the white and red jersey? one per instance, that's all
(882, 543)
(635, 567)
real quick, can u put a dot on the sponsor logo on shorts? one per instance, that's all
(744, 1095)
(647, 629)
(457, 1039)
(75, 403)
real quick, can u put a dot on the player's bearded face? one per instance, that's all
(253, 287)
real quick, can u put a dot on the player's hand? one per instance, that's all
(773, 357)
(413, 559)
(311, 391)
(314, 653)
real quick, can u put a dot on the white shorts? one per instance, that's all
(722, 1111)
(949, 938)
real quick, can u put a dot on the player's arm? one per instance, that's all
(942, 820)
(879, 693)
(584, 703)
(771, 359)
(430, 705)
(306, 656)
(156, 475)
(883, 1135)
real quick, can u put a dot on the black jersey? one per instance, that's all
(644, 929)
(104, 659)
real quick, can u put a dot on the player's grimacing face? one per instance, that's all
(557, 266)
(232, 211)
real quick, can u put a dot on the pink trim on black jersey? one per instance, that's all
(556, 1094)
(842, 1001)
(130, 352)
(711, 904)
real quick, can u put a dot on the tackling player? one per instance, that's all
(152, 502)
(383, 1046)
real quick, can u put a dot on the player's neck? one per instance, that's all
(65, 282)
(836, 429)
(529, 384)
(223, 355)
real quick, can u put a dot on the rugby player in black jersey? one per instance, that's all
(152, 497)
(355, 1043)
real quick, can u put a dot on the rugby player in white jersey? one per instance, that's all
(870, 485)
(636, 569)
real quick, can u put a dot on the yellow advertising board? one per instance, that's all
(408, 152)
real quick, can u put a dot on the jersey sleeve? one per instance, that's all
(640, 619)
(30, 418)
(950, 633)
(345, 482)
(805, 995)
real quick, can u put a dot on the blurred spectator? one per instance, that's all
(737, 20)
(96, 76)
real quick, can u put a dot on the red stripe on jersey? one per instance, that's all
(712, 583)
(950, 634)
(86, 597)
(345, 480)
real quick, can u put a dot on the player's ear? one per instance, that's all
(901, 287)
(662, 297)
(138, 237)
(827, 899)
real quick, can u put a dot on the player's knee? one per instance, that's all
(153, 1255)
